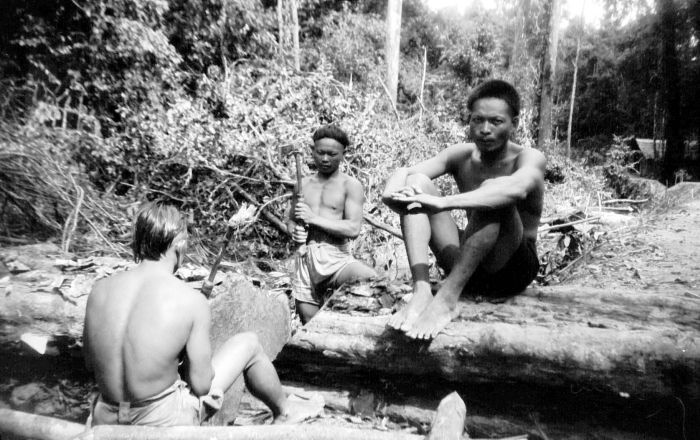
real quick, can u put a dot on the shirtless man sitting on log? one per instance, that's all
(501, 189)
(331, 209)
(141, 322)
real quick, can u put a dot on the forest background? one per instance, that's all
(107, 103)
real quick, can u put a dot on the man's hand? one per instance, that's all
(414, 198)
(299, 234)
(303, 212)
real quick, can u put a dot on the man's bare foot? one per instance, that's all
(299, 408)
(404, 318)
(441, 310)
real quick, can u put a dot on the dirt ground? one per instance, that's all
(658, 250)
(655, 249)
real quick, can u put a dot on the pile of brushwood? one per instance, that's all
(227, 144)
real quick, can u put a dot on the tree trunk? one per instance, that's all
(519, 40)
(547, 75)
(288, 31)
(24, 425)
(670, 90)
(573, 87)
(639, 343)
(393, 43)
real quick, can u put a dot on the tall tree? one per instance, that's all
(393, 41)
(573, 83)
(288, 30)
(670, 90)
(519, 43)
(547, 73)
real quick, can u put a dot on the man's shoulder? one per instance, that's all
(530, 156)
(103, 285)
(458, 153)
(458, 156)
(350, 181)
(181, 289)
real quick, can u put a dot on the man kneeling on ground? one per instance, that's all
(140, 323)
(501, 189)
(331, 209)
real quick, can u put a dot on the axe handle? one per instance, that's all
(301, 250)
(297, 161)
(209, 283)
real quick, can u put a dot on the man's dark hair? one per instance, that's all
(496, 88)
(332, 132)
(156, 226)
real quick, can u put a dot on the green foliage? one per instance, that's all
(106, 59)
(186, 101)
(619, 90)
(208, 32)
(351, 44)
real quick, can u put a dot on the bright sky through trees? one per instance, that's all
(593, 11)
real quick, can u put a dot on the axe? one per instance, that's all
(208, 284)
(297, 161)
(245, 214)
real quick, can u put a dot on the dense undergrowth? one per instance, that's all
(114, 106)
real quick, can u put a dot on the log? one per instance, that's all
(264, 432)
(626, 342)
(30, 426)
(448, 423)
(18, 424)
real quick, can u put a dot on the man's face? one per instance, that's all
(491, 124)
(327, 154)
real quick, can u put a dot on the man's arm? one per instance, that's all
(493, 193)
(440, 164)
(87, 353)
(291, 220)
(349, 226)
(295, 229)
(198, 348)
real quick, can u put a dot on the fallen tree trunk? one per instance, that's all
(633, 343)
(21, 425)
(17, 424)
(29, 426)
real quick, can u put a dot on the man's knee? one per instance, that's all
(423, 182)
(248, 341)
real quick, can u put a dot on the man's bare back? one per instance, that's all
(141, 323)
(138, 322)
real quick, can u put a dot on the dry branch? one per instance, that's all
(391, 101)
(276, 222)
(384, 227)
(565, 225)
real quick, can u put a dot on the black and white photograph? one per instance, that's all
(349, 219)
